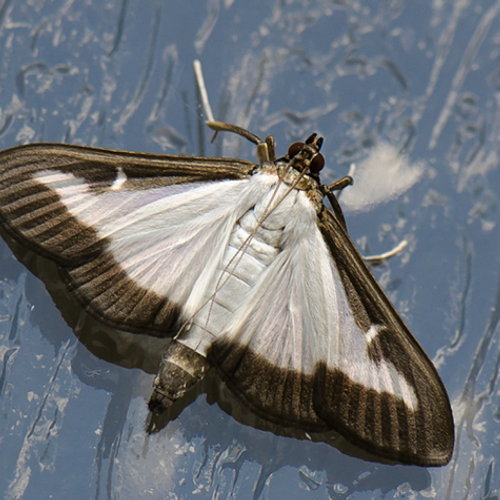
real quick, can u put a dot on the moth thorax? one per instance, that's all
(292, 177)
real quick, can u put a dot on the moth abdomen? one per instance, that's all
(181, 369)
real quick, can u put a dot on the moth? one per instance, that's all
(249, 272)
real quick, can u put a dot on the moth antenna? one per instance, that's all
(265, 149)
(386, 255)
(266, 152)
(200, 82)
(228, 127)
(211, 121)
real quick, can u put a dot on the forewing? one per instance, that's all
(131, 233)
(397, 406)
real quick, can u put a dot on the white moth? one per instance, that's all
(248, 270)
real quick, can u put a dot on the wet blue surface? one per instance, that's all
(420, 78)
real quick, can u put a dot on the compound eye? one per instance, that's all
(295, 149)
(317, 163)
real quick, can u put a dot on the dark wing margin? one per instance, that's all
(32, 214)
(377, 421)
(278, 395)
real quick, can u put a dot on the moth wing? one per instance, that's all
(313, 349)
(132, 234)
(403, 412)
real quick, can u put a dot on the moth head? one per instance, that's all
(305, 156)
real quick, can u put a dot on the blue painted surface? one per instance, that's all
(420, 76)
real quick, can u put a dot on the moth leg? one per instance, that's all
(180, 370)
(340, 184)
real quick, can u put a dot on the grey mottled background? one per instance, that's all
(398, 76)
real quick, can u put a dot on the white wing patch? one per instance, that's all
(169, 239)
(372, 333)
(121, 178)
